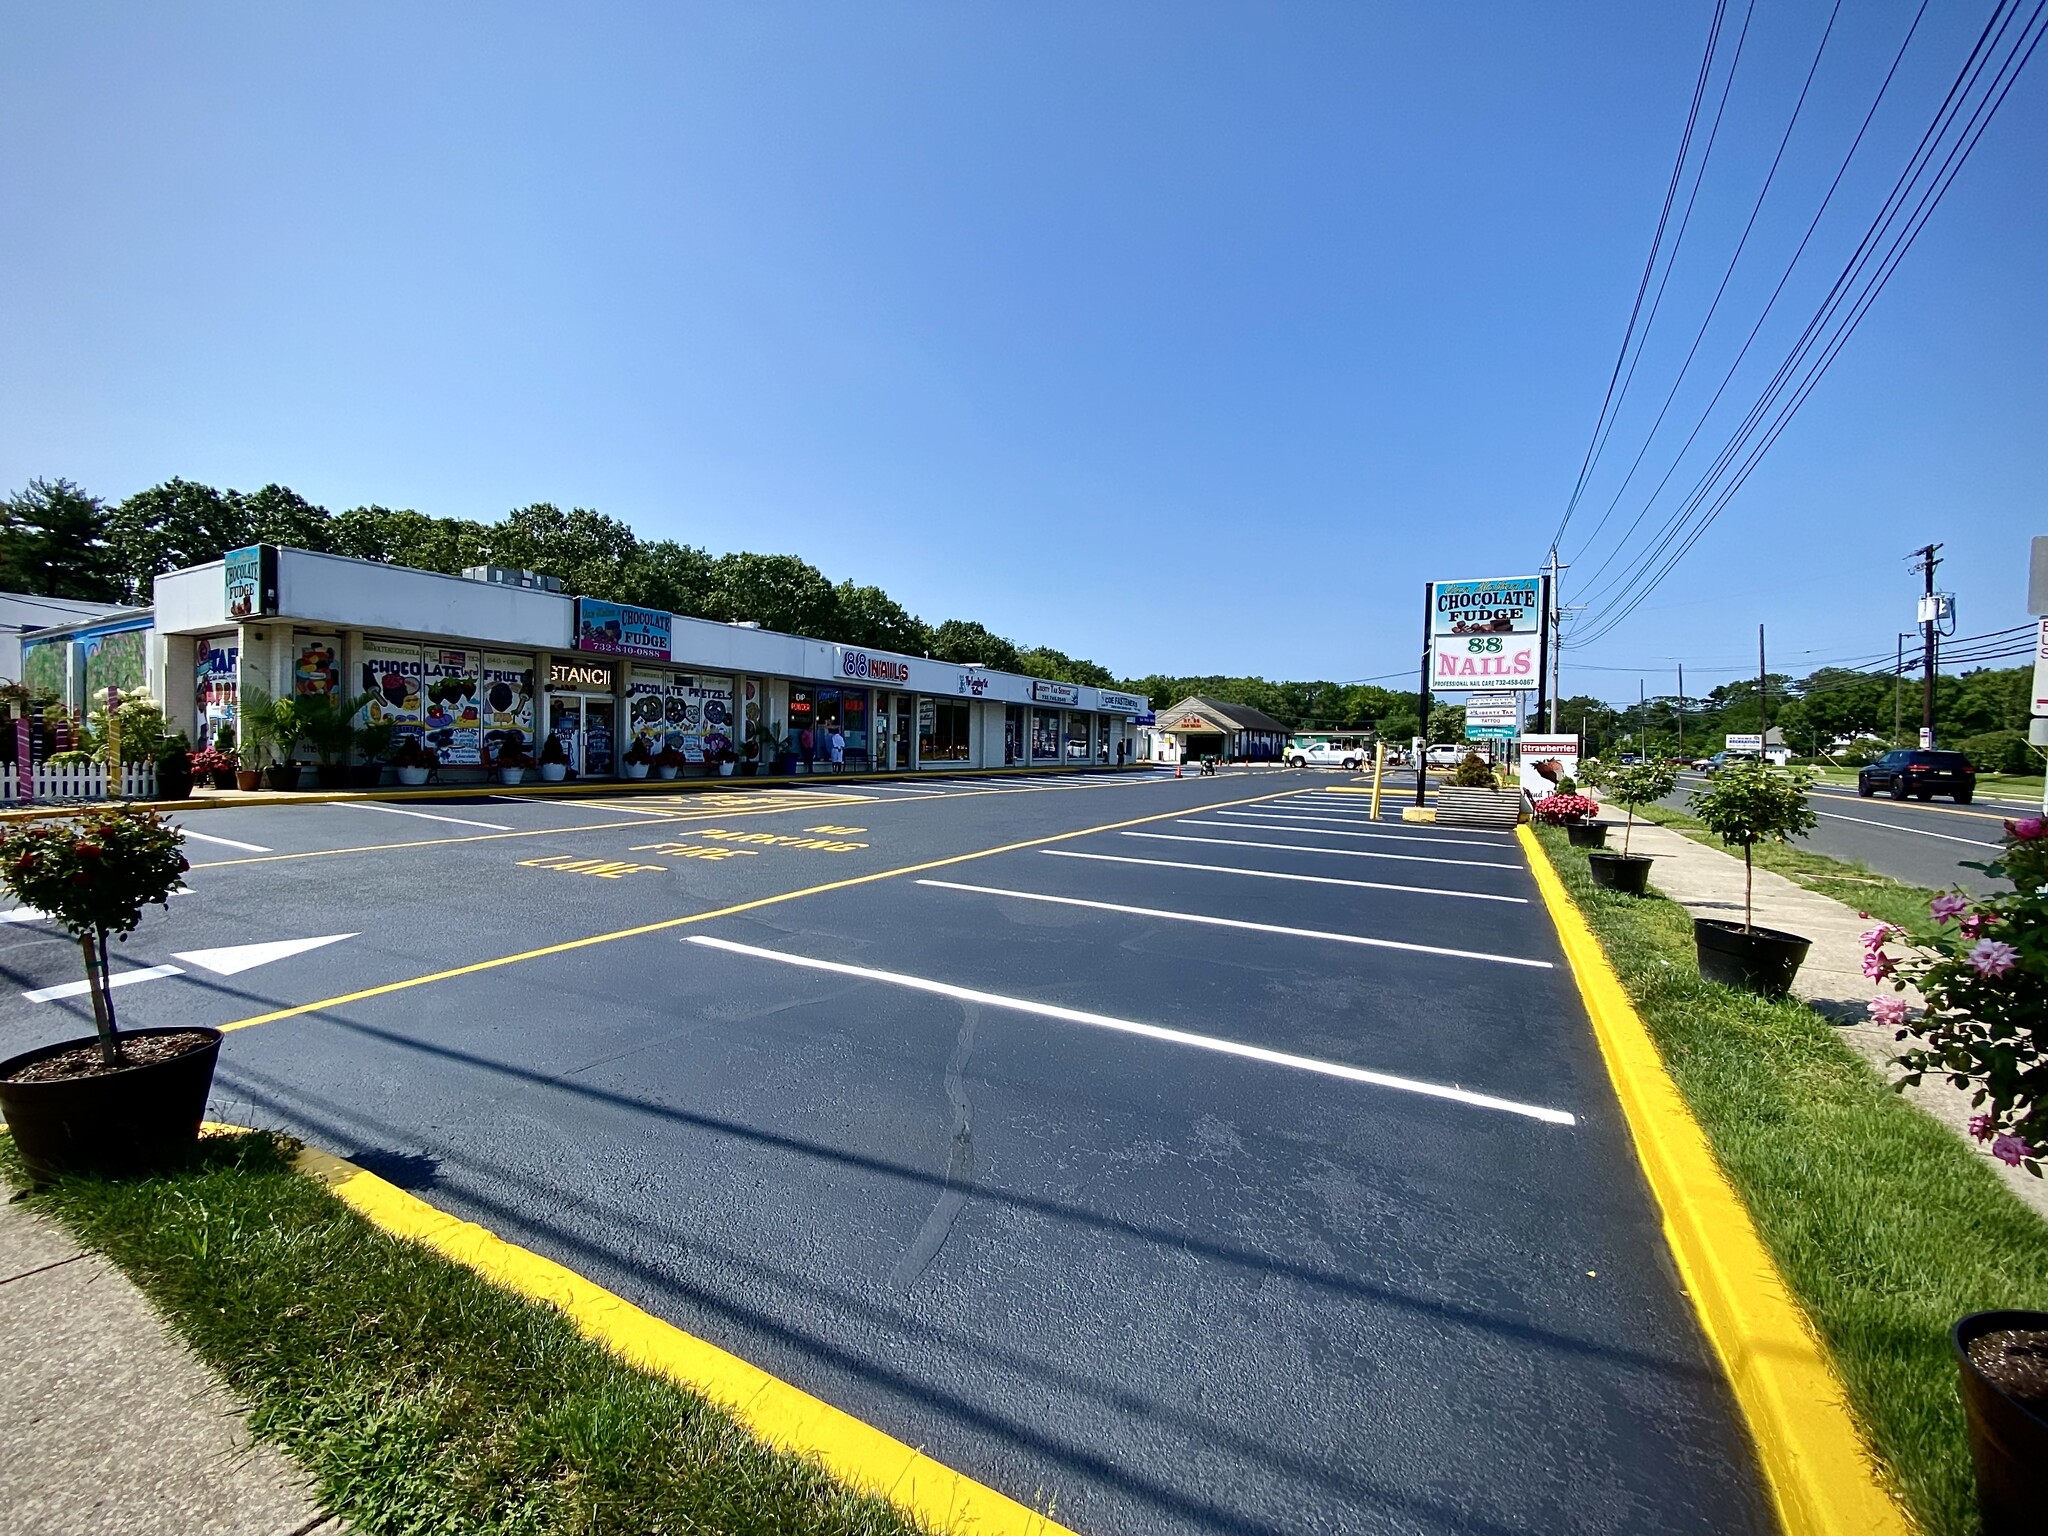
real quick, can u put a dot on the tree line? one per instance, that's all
(58, 540)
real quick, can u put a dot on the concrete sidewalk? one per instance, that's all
(109, 1425)
(1708, 883)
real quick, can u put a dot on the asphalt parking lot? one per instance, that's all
(1182, 1155)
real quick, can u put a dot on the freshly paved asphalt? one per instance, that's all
(1160, 1287)
(1927, 843)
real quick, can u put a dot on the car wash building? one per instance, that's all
(470, 665)
(1198, 727)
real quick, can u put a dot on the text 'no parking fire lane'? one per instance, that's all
(1200, 1156)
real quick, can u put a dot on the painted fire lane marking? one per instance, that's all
(840, 831)
(776, 839)
(695, 851)
(1148, 1032)
(604, 869)
(1233, 922)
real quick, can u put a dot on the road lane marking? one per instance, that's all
(1145, 1031)
(1234, 922)
(23, 915)
(1275, 874)
(392, 810)
(1354, 853)
(1386, 837)
(1892, 826)
(233, 959)
(117, 979)
(225, 842)
(569, 946)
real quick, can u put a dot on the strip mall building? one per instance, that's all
(467, 663)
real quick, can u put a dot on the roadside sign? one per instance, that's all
(1749, 743)
(1492, 714)
(1149, 717)
(1488, 732)
(2037, 579)
(1485, 635)
(1545, 760)
(2041, 663)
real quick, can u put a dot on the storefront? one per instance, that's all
(1199, 727)
(474, 667)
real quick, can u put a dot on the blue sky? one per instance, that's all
(1184, 337)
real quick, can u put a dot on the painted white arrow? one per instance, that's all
(236, 958)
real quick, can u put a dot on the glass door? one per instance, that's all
(597, 739)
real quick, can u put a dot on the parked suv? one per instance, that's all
(1325, 754)
(1923, 775)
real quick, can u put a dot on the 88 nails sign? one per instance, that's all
(1485, 634)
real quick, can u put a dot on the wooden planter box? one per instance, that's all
(1478, 807)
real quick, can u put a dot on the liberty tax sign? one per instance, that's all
(1485, 635)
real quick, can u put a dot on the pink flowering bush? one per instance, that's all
(1984, 974)
(1562, 810)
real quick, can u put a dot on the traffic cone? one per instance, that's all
(1176, 767)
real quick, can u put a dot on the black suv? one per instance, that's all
(1923, 774)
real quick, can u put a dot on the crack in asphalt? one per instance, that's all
(938, 1226)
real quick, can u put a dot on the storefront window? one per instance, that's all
(1077, 738)
(1102, 748)
(1045, 733)
(693, 715)
(941, 731)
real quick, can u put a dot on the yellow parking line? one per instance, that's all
(569, 945)
(783, 1416)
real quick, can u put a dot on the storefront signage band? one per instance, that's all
(1121, 702)
(1511, 605)
(1055, 693)
(880, 668)
(580, 676)
(612, 629)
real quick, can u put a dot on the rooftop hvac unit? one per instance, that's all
(511, 576)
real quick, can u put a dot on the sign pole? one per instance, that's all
(1379, 763)
(1422, 696)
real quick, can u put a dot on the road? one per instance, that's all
(1189, 1155)
(1926, 843)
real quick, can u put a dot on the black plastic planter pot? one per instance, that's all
(1586, 834)
(2008, 1441)
(1628, 873)
(1762, 960)
(114, 1122)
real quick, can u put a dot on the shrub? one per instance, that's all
(1635, 784)
(1984, 975)
(1562, 810)
(1750, 801)
(1472, 772)
(2000, 752)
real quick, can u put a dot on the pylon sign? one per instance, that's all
(1486, 636)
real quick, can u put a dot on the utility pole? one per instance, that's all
(1763, 688)
(1927, 619)
(1556, 640)
(1642, 724)
(1898, 684)
(1681, 709)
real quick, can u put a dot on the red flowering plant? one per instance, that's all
(1563, 810)
(94, 873)
(1984, 976)
(212, 760)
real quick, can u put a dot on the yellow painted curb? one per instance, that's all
(1820, 1473)
(782, 1416)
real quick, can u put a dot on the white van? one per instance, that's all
(1448, 754)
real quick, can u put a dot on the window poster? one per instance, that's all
(316, 664)
(665, 708)
(428, 693)
(214, 683)
(506, 696)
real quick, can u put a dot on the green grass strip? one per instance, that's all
(419, 1397)
(1886, 1227)
(1851, 883)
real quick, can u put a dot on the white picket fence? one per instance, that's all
(138, 782)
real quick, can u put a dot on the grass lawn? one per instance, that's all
(1852, 884)
(1887, 1227)
(419, 1397)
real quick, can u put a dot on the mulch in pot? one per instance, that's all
(83, 1060)
(2015, 1360)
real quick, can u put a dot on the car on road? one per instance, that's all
(1448, 754)
(1920, 773)
(1720, 760)
(1325, 754)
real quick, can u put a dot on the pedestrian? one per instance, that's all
(807, 747)
(835, 748)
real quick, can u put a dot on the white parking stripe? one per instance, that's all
(1351, 853)
(1236, 922)
(392, 810)
(1147, 1031)
(23, 915)
(1892, 826)
(1276, 874)
(225, 842)
(117, 979)
(1277, 825)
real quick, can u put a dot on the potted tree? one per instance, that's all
(1573, 812)
(554, 760)
(1983, 976)
(270, 731)
(174, 768)
(636, 760)
(1746, 802)
(373, 741)
(327, 722)
(414, 761)
(116, 1099)
(1632, 784)
(510, 760)
(1472, 797)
